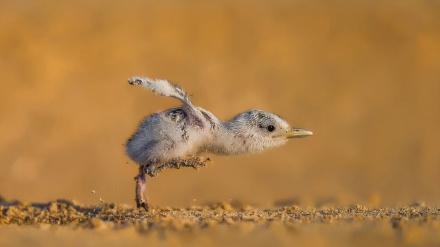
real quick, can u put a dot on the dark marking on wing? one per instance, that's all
(177, 115)
(185, 136)
(209, 119)
(198, 122)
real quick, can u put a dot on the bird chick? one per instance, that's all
(175, 137)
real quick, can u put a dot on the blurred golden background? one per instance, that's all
(364, 76)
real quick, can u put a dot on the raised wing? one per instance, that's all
(161, 87)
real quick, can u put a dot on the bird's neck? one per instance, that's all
(230, 139)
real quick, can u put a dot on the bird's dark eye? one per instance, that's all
(270, 128)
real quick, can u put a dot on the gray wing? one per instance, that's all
(161, 87)
(165, 88)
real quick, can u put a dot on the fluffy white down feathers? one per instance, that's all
(190, 130)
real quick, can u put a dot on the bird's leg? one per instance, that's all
(191, 161)
(153, 171)
(141, 199)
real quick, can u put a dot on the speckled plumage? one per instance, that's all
(164, 138)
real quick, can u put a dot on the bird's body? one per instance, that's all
(164, 139)
(181, 134)
(177, 136)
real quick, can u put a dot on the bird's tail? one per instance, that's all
(161, 87)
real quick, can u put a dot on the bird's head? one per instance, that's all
(263, 130)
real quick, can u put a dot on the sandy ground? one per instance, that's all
(362, 75)
(60, 222)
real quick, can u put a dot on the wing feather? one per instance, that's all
(161, 87)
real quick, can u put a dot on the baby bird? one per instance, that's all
(175, 137)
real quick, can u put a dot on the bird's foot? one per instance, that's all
(194, 161)
(141, 199)
(191, 161)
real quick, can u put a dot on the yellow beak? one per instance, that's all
(297, 132)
